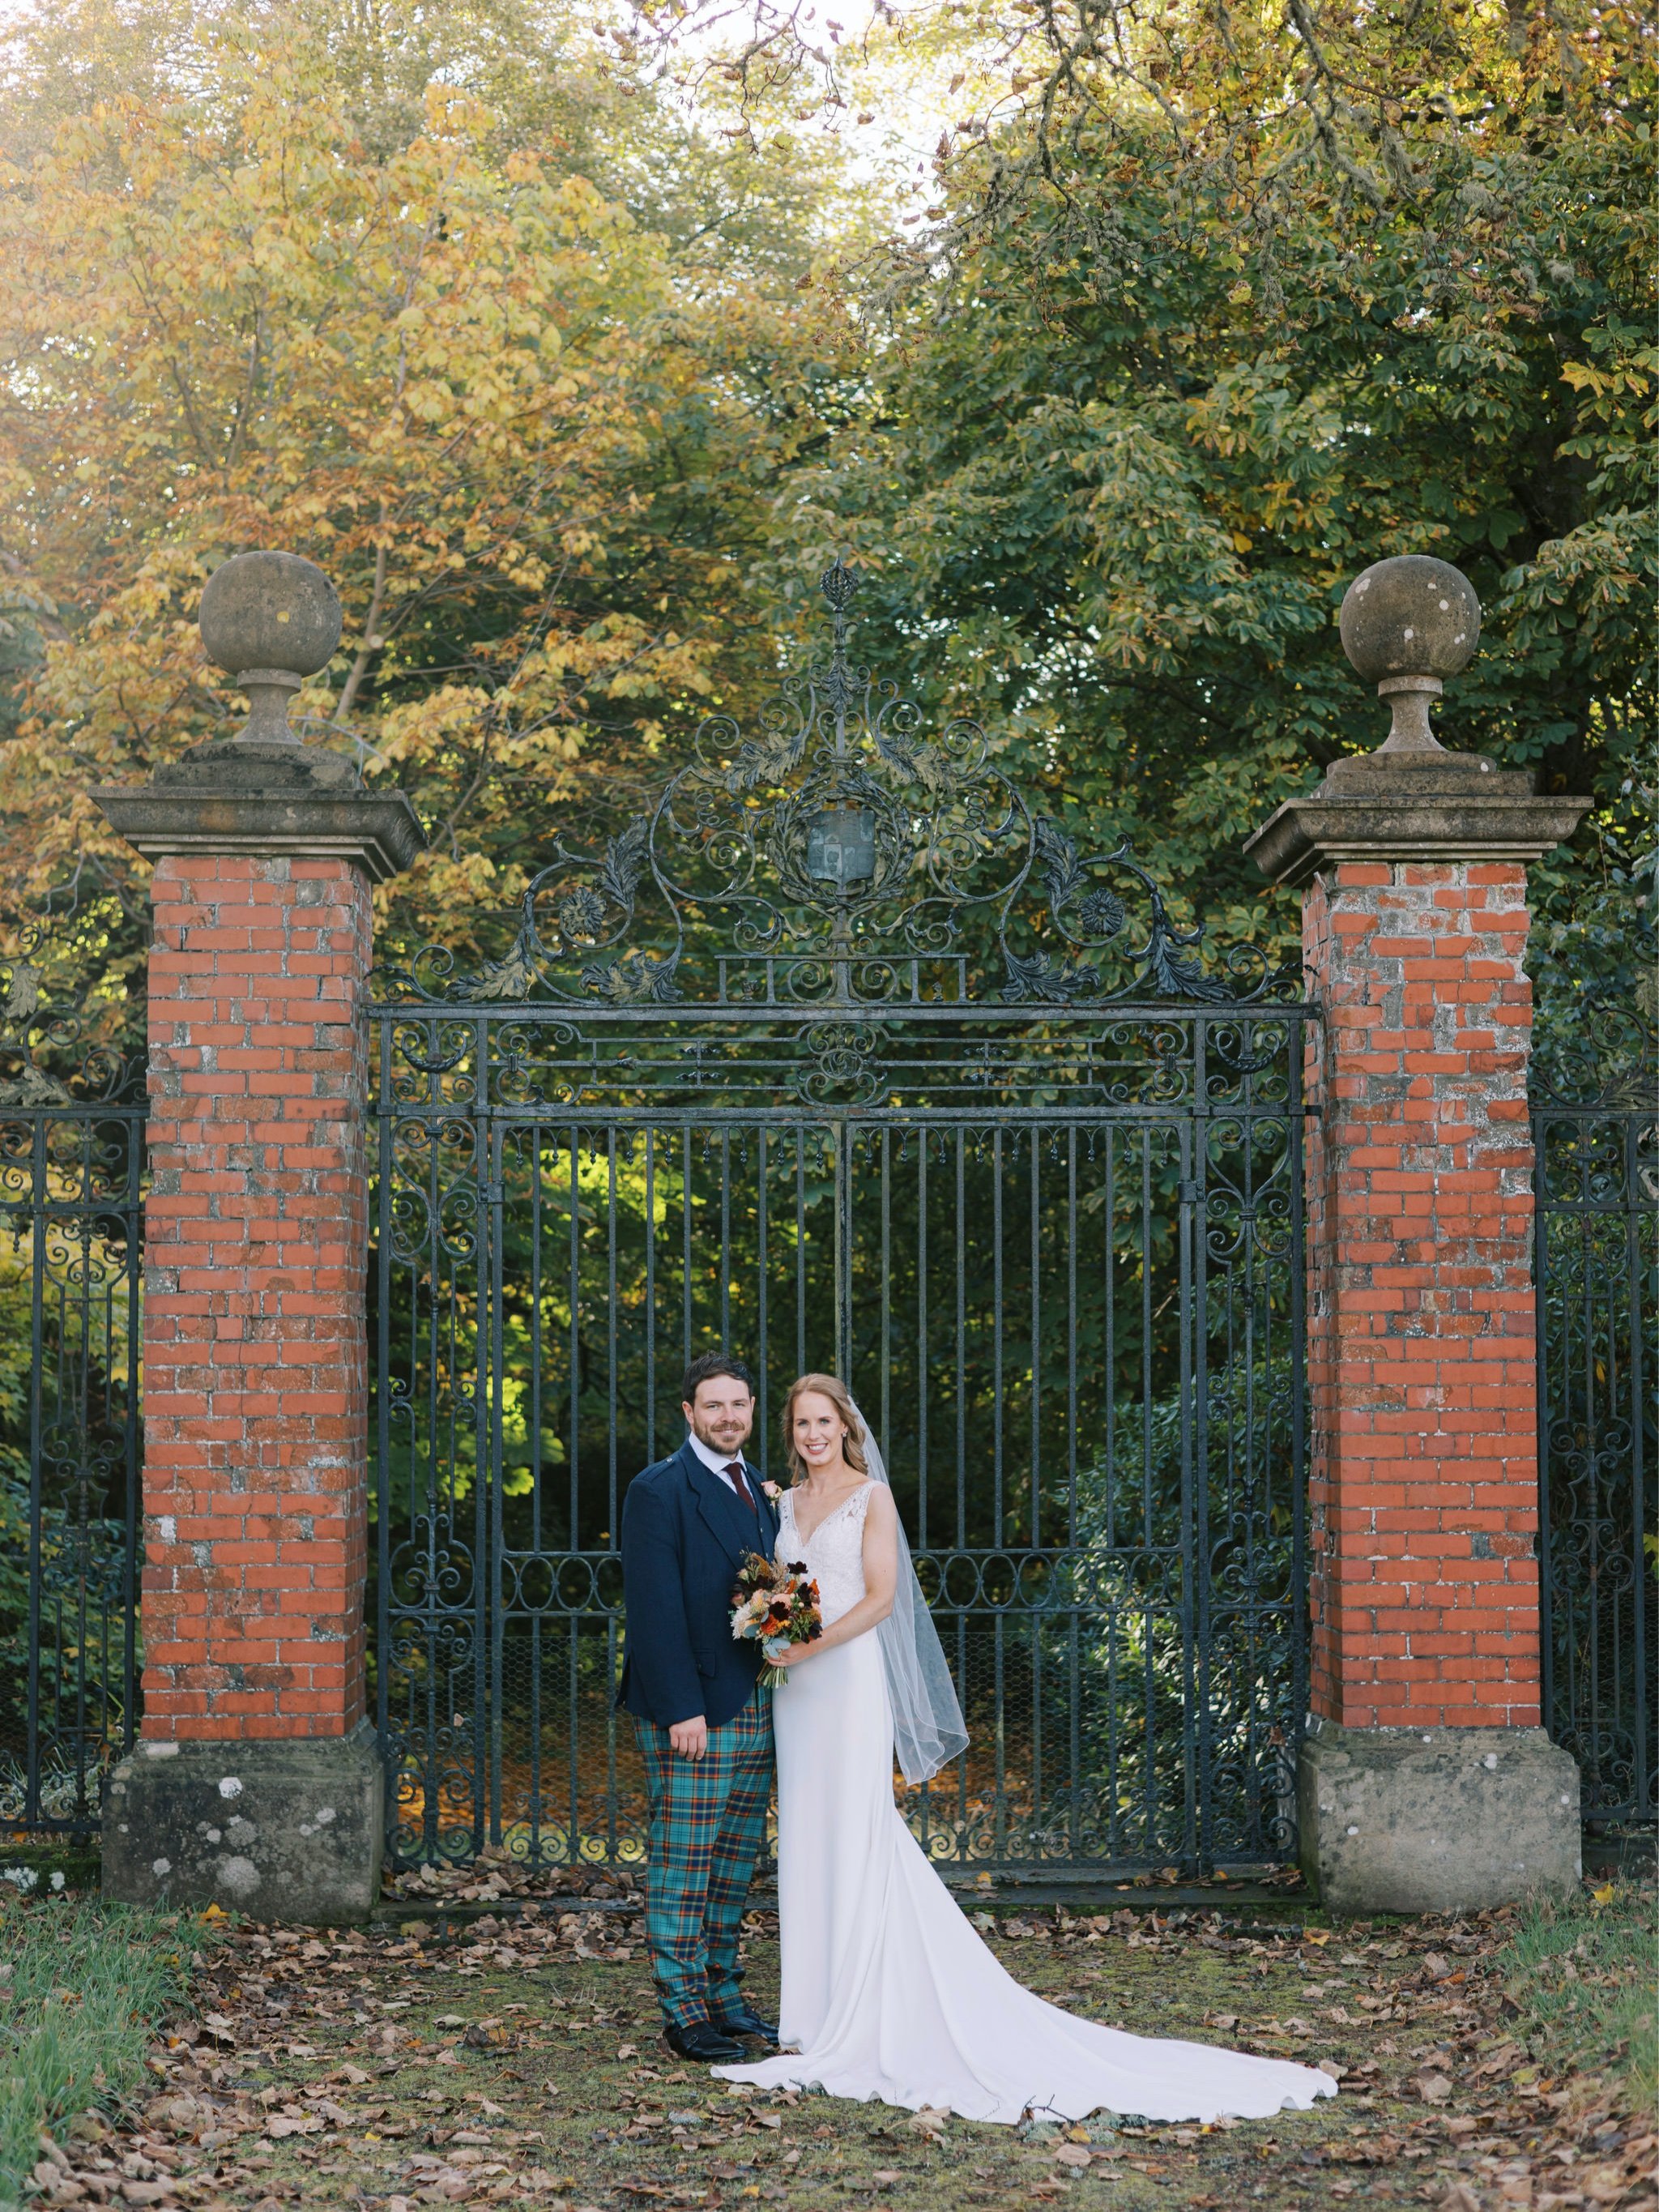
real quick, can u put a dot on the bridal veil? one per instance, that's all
(928, 1730)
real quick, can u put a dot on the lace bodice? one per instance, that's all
(834, 1551)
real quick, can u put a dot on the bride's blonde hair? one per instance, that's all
(827, 1387)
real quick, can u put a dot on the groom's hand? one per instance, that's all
(689, 1739)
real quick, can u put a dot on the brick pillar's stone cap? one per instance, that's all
(270, 801)
(1408, 623)
(1404, 806)
(272, 619)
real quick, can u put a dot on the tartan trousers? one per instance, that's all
(708, 1822)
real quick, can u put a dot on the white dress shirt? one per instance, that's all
(717, 1464)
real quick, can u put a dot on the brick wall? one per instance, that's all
(1422, 1383)
(255, 1383)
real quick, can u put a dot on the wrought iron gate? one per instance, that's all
(71, 1179)
(1594, 1093)
(839, 1056)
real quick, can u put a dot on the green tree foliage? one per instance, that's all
(1179, 361)
(545, 357)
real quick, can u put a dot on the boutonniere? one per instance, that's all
(772, 1491)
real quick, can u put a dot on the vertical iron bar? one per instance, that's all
(685, 1239)
(573, 1136)
(962, 1341)
(490, 1477)
(842, 1235)
(1195, 1303)
(572, 1692)
(1035, 1134)
(725, 1240)
(537, 1418)
(482, 1132)
(1073, 1662)
(573, 1818)
(384, 1546)
(611, 1495)
(1546, 1367)
(762, 1261)
(37, 1454)
(1036, 1337)
(531, 1157)
(1188, 1561)
(1148, 1520)
(923, 1367)
(1641, 1718)
(650, 1306)
(801, 1249)
(886, 1415)
(998, 1537)
(1296, 1046)
(131, 1431)
(1070, 1334)
(1595, 1488)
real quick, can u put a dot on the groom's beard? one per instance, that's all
(728, 1438)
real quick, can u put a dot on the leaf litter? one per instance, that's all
(516, 2061)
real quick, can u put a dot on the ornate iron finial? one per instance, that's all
(838, 583)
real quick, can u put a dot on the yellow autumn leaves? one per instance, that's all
(249, 303)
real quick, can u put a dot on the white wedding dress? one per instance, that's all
(888, 1992)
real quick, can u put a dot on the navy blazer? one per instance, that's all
(684, 1532)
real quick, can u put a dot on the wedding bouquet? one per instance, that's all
(775, 1604)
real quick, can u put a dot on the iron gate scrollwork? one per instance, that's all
(840, 1055)
(72, 1111)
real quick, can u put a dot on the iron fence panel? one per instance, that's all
(71, 1192)
(1594, 1103)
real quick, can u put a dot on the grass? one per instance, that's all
(83, 1988)
(1582, 1972)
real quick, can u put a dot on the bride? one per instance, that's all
(888, 1990)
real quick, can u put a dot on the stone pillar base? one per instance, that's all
(1443, 1820)
(288, 1830)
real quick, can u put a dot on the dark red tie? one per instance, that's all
(734, 1468)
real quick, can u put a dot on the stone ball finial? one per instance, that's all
(269, 620)
(1406, 625)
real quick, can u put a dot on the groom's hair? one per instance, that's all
(705, 1367)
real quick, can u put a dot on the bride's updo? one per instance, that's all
(827, 1387)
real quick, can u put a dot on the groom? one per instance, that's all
(704, 1725)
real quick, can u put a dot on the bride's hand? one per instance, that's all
(789, 1653)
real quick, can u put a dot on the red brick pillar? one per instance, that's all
(257, 1781)
(1426, 1782)
(255, 1353)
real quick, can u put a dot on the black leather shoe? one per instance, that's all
(701, 2040)
(748, 2022)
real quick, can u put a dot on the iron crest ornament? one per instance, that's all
(840, 856)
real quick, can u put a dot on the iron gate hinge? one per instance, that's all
(1192, 1193)
(495, 1193)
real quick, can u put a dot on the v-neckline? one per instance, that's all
(857, 1492)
